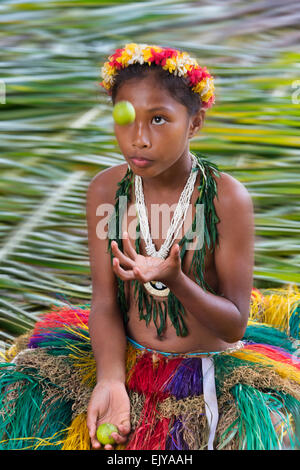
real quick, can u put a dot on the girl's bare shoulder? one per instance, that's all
(230, 192)
(104, 184)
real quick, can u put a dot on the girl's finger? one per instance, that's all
(124, 275)
(118, 438)
(128, 248)
(175, 251)
(108, 447)
(95, 443)
(92, 426)
(124, 260)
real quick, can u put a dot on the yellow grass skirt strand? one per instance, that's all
(275, 306)
(86, 364)
(282, 369)
(132, 355)
(78, 435)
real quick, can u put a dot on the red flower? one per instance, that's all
(113, 62)
(209, 103)
(197, 74)
(169, 52)
(159, 58)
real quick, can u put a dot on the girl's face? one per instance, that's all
(161, 130)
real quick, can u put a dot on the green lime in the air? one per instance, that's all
(124, 113)
(104, 433)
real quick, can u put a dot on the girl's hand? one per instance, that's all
(109, 403)
(144, 268)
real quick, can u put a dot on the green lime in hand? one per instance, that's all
(104, 433)
(124, 113)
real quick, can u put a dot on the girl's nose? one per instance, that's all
(140, 137)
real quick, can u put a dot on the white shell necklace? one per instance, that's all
(157, 287)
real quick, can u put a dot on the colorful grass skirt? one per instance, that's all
(230, 400)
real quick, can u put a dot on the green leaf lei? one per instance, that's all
(159, 309)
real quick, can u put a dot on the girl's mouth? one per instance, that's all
(141, 162)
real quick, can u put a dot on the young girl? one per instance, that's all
(165, 351)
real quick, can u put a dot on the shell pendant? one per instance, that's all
(157, 288)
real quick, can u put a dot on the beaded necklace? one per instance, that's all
(156, 309)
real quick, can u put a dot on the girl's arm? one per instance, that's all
(108, 341)
(109, 401)
(226, 314)
(105, 321)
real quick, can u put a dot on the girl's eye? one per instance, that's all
(158, 120)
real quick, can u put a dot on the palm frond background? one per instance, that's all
(57, 130)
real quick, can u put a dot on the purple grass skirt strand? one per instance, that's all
(187, 381)
(40, 340)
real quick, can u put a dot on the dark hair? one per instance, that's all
(176, 86)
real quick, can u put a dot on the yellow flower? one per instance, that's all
(199, 87)
(205, 88)
(207, 95)
(189, 66)
(128, 53)
(170, 65)
(181, 56)
(155, 48)
(106, 85)
(110, 70)
(124, 58)
(131, 47)
(147, 53)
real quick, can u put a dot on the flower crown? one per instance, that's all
(174, 61)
